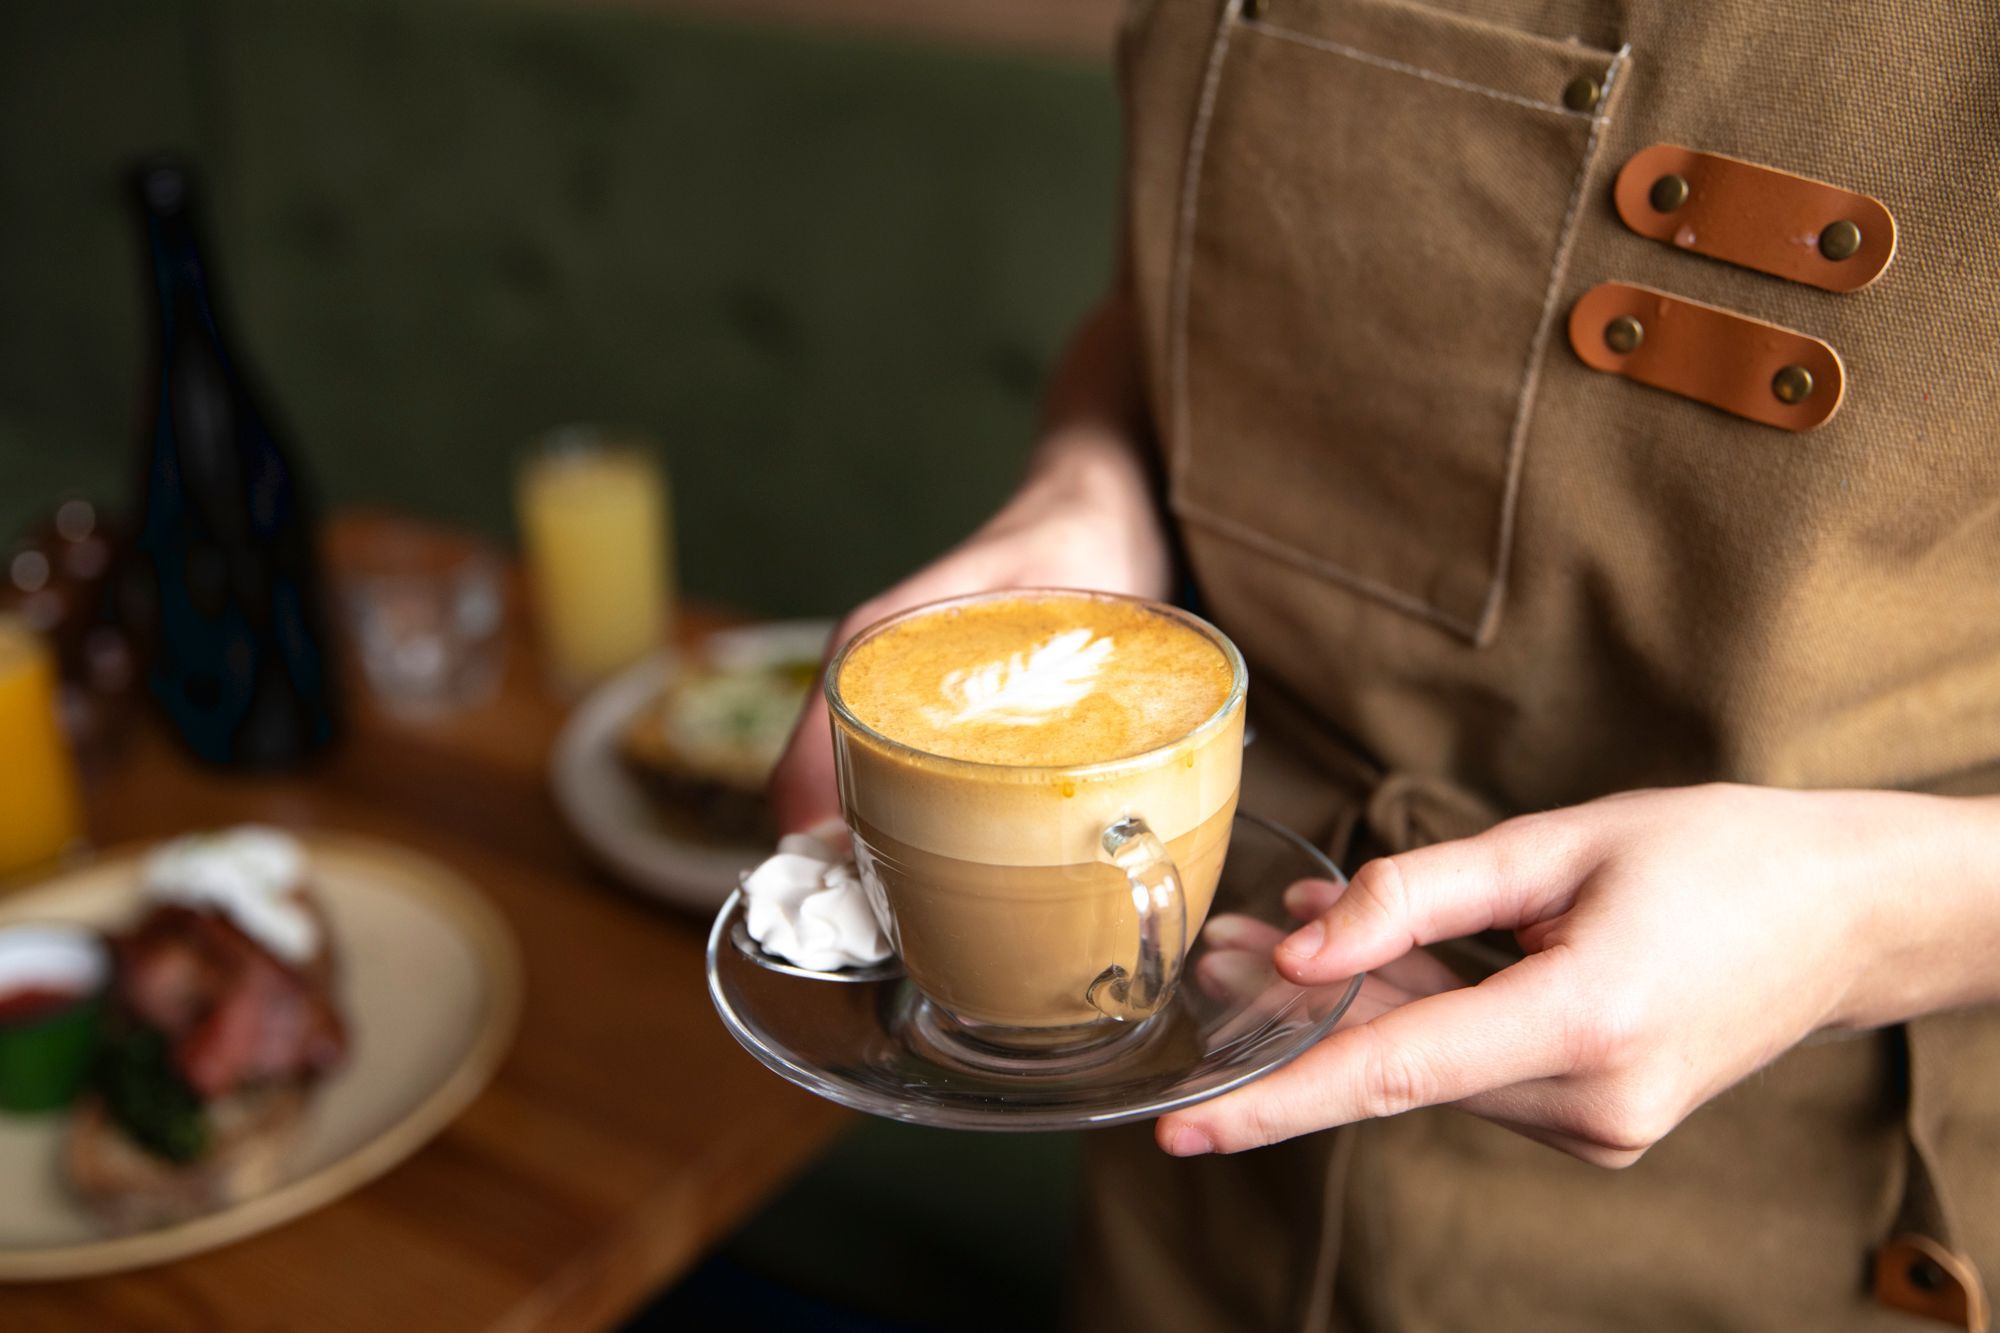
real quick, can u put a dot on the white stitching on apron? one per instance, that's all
(1245, 535)
(1183, 431)
(1184, 242)
(1418, 71)
(1181, 439)
(1524, 407)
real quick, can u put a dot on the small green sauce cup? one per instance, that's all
(52, 983)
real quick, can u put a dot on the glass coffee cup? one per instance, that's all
(1040, 785)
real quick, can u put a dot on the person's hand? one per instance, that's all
(1676, 941)
(1085, 519)
(1236, 967)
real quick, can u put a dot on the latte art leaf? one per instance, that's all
(1027, 688)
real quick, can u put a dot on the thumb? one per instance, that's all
(802, 790)
(1507, 877)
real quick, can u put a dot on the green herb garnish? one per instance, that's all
(146, 1095)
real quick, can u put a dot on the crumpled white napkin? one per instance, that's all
(806, 904)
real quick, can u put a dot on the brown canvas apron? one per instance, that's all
(1475, 577)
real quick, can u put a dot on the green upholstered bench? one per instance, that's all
(826, 272)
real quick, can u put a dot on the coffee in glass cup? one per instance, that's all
(1040, 784)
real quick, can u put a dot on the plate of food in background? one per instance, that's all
(207, 1038)
(661, 770)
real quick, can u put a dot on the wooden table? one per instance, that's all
(625, 1134)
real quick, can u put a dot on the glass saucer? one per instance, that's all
(874, 1046)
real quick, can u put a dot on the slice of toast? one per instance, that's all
(704, 748)
(129, 1189)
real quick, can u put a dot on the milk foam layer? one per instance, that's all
(1128, 747)
(1037, 680)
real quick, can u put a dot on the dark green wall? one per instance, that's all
(827, 274)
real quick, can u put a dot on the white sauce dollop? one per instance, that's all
(251, 874)
(807, 904)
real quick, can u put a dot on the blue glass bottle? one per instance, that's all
(223, 594)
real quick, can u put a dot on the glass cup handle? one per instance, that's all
(1142, 989)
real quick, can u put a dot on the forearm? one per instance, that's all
(1930, 934)
(1091, 460)
(1094, 410)
(1094, 404)
(1086, 515)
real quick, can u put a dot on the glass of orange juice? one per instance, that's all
(40, 813)
(596, 525)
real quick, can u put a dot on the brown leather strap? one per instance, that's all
(1775, 222)
(1919, 1270)
(1920, 1276)
(1765, 372)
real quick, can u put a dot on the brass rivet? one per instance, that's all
(1927, 1275)
(1624, 334)
(1669, 193)
(1840, 241)
(1793, 384)
(1581, 94)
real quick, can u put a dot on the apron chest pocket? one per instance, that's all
(1378, 201)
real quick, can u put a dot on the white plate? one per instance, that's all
(430, 987)
(612, 813)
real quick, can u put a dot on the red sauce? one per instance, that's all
(31, 1003)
